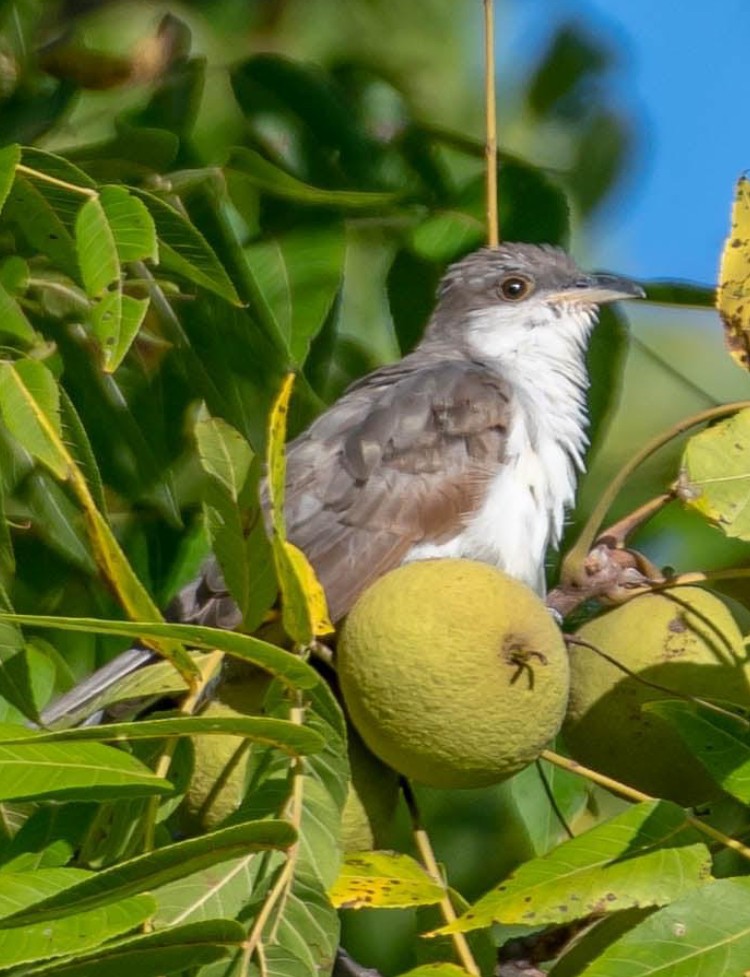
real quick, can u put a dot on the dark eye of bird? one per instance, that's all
(514, 288)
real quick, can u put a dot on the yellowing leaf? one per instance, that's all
(733, 296)
(715, 474)
(304, 608)
(30, 409)
(379, 879)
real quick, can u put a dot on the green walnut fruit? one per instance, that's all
(454, 673)
(220, 762)
(217, 786)
(683, 639)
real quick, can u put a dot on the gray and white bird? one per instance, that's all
(470, 446)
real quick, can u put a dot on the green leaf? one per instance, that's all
(162, 866)
(706, 932)
(226, 458)
(178, 949)
(446, 235)
(303, 605)
(282, 734)
(299, 276)
(370, 880)
(715, 475)
(96, 249)
(680, 293)
(21, 890)
(13, 321)
(644, 857)
(131, 224)
(50, 164)
(284, 665)
(72, 934)
(245, 165)
(10, 157)
(719, 740)
(46, 212)
(220, 890)
(87, 771)
(30, 408)
(116, 320)
(224, 454)
(184, 250)
(57, 520)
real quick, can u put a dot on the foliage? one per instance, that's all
(157, 292)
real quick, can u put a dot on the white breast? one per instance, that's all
(523, 511)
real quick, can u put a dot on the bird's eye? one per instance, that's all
(514, 288)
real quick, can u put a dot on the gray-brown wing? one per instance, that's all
(402, 458)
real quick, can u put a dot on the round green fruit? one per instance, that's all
(454, 673)
(217, 786)
(683, 640)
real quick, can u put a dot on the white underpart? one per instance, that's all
(523, 513)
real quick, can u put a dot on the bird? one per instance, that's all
(469, 446)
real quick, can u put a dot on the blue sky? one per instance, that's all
(684, 73)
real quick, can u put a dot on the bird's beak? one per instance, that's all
(596, 289)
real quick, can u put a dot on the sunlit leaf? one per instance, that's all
(377, 879)
(304, 607)
(116, 319)
(72, 934)
(162, 866)
(96, 249)
(706, 932)
(176, 949)
(131, 224)
(30, 408)
(279, 733)
(715, 474)
(644, 857)
(86, 770)
(733, 296)
(224, 453)
(286, 666)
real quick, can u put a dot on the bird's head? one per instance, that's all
(498, 300)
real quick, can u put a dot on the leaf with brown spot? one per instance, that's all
(733, 296)
(646, 856)
(383, 880)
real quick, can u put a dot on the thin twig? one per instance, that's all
(208, 665)
(631, 794)
(280, 890)
(427, 856)
(493, 222)
(619, 531)
(576, 556)
(556, 810)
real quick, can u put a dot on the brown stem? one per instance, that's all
(427, 857)
(493, 223)
(631, 794)
(575, 558)
(618, 533)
